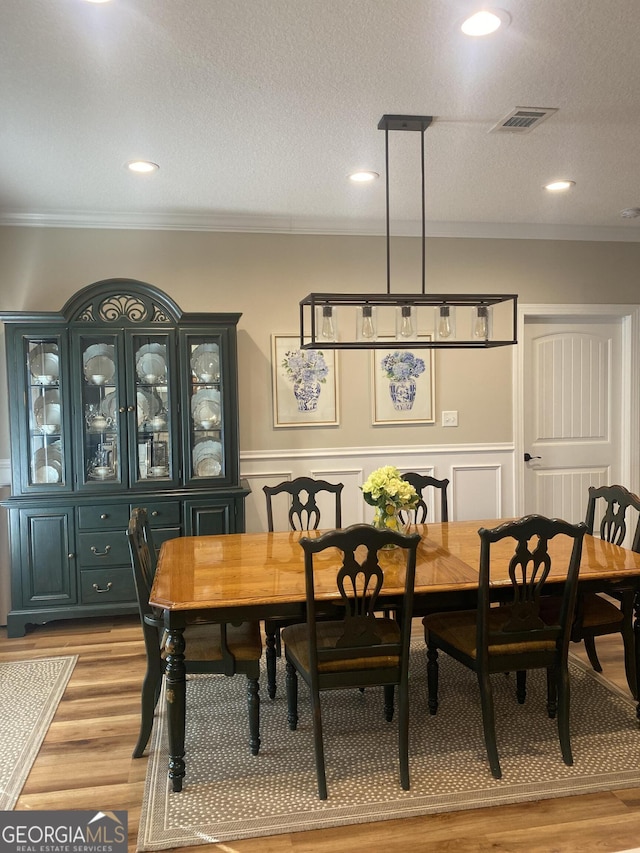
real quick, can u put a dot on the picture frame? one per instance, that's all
(410, 400)
(305, 384)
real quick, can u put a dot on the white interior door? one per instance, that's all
(575, 402)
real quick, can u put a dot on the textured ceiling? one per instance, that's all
(256, 110)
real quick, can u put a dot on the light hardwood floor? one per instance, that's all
(85, 763)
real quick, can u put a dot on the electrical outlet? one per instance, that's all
(449, 419)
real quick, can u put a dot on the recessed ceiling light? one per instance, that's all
(142, 166)
(363, 176)
(485, 22)
(560, 186)
(98, 1)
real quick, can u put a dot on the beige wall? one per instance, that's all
(264, 276)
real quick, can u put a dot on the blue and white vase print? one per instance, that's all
(306, 394)
(403, 393)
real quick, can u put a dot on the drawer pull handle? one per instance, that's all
(97, 588)
(154, 513)
(104, 553)
(70, 556)
(104, 515)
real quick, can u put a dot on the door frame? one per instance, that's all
(629, 381)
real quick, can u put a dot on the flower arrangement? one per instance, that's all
(388, 492)
(305, 365)
(402, 364)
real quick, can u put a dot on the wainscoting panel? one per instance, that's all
(476, 492)
(481, 478)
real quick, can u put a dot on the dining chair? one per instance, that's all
(304, 514)
(596, 614)
(217, 648)
(360, 649)
(506, 633)
(420, 482)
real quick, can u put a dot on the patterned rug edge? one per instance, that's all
(18, 774)
(376, 812)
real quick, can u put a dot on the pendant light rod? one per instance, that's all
(411, 123)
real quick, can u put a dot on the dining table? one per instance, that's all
(246, 576)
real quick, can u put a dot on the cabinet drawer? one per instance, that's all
(161, 513)
(104, 549)
(107, 586)
(109, 517)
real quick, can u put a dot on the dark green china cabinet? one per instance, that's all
(117, 401)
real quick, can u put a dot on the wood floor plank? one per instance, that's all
(85, 763)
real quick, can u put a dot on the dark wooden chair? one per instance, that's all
(210, 647)
(597, 615)
(361, 649)
(304, 514)
(511, 636)
(420, 482)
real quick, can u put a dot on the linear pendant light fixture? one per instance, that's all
(416, 320)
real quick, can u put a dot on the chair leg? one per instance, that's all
(292, 696)
(521, 686)
(590, 648)
(388, 702)
(489, 724)
(270, 655)
(253, 701)
(563, 714)
(318, 744)
(149, 699)
(403, 734)
(629, 641)
(432, 677)
(552, 693)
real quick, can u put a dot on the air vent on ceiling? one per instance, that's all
(523, 119)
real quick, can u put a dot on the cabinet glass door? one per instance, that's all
(154, 393)
(102, 404)
(45, 433)
(206, 408)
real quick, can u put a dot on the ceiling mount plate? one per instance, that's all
(404, 122)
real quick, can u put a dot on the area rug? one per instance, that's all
(30, 691)
(229, 794)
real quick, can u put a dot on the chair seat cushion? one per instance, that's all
(594, 611)
(458, 629)
(203, 641)
(296, 639)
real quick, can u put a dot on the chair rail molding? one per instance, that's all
(481, 477)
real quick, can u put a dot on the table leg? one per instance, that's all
(176, 688)
(636, 634)
(270, 655)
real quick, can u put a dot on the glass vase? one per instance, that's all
(387, 518)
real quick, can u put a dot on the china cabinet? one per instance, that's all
(119, 400)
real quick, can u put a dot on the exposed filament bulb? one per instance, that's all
(444, 322)
(406, 322)
(368, 329)
(328, 329)
(481, 325)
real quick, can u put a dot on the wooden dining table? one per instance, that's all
(242, 576)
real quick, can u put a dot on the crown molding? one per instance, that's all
(317, 225)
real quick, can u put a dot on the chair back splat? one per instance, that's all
(420, 483)
(361, 648)
(507, 632)
(304, 513)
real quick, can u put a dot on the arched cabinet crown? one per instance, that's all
(118, 400)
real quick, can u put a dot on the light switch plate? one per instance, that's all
(449, 419)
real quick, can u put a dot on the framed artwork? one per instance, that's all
(305, 384)
(402, 385)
